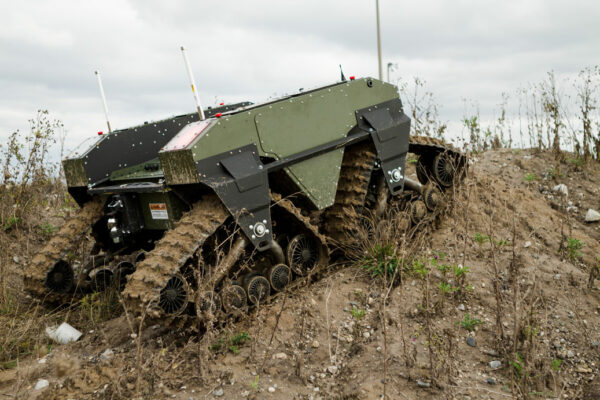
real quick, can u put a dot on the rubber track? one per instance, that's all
(59, 246)
(357, 165)
(340, 219)
(171, 253)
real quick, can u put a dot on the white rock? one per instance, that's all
(42, 360)
(271, 389)
(64, 334)
(107, 354)
(41, 384)
(461, 307)
(592, 216)
(315, 344)
(562, 189)
(367, 335)
(495, 364)
(527, 244)
(219, 392)
(280, 356)
(332, 369)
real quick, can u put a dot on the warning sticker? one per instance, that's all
(159, 211)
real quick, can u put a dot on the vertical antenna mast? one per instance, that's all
(379, 41)
(103, 100)
(192, 83)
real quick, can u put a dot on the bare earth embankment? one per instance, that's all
(495, 303)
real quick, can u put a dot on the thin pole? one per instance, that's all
(379, 41)
(103, 100)
(192, 83)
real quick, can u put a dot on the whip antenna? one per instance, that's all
(103, 100)
(192, 83)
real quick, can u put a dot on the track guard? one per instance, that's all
(390, 130)
(240, 180)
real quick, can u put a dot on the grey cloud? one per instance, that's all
(252, 50)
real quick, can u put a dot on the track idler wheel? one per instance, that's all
(432, 198)
(418, 211)
(234, 298)
(174, 297)
(102, 279)
(302, 254)
(257, 288)
(444, 170)
(124, 268)
(279, 276)
(424, 168)
(208, 302)
(60, 278)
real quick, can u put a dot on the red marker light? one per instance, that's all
(218, 115)
(221, 104)
(99, 133)
(352, 78)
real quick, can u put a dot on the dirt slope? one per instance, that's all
(335, 339)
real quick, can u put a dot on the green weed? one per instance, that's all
(573, 247)
(357, 314)
(530, 177)
(381, 259)
(481, 239)
(470, 323)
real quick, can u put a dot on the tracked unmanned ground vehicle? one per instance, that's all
(190, 215)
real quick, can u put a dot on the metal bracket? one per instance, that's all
(390, 131)
(240, 180)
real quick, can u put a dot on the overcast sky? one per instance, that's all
(251, 50)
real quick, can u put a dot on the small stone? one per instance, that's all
(596, 344)
(571, 314)
(315, 344)
(245, 393)
(562, 189)
(366, 335)
(16, 260)
(423, 384)
(570, 354)
(271, 389)
(332, 369)
(592, 216)
(527, 244)
(379, 348)
(41, 384)
(133, 335)
(492, 353)
(556, 344)
(43, 360)
(556, 277)
(219, 392)
(106, 355)
(471, 341)
(280, 356)
(491, 381)
(495, 364)
(461, 307)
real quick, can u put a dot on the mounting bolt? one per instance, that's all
(260, 230)
(396, 175)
